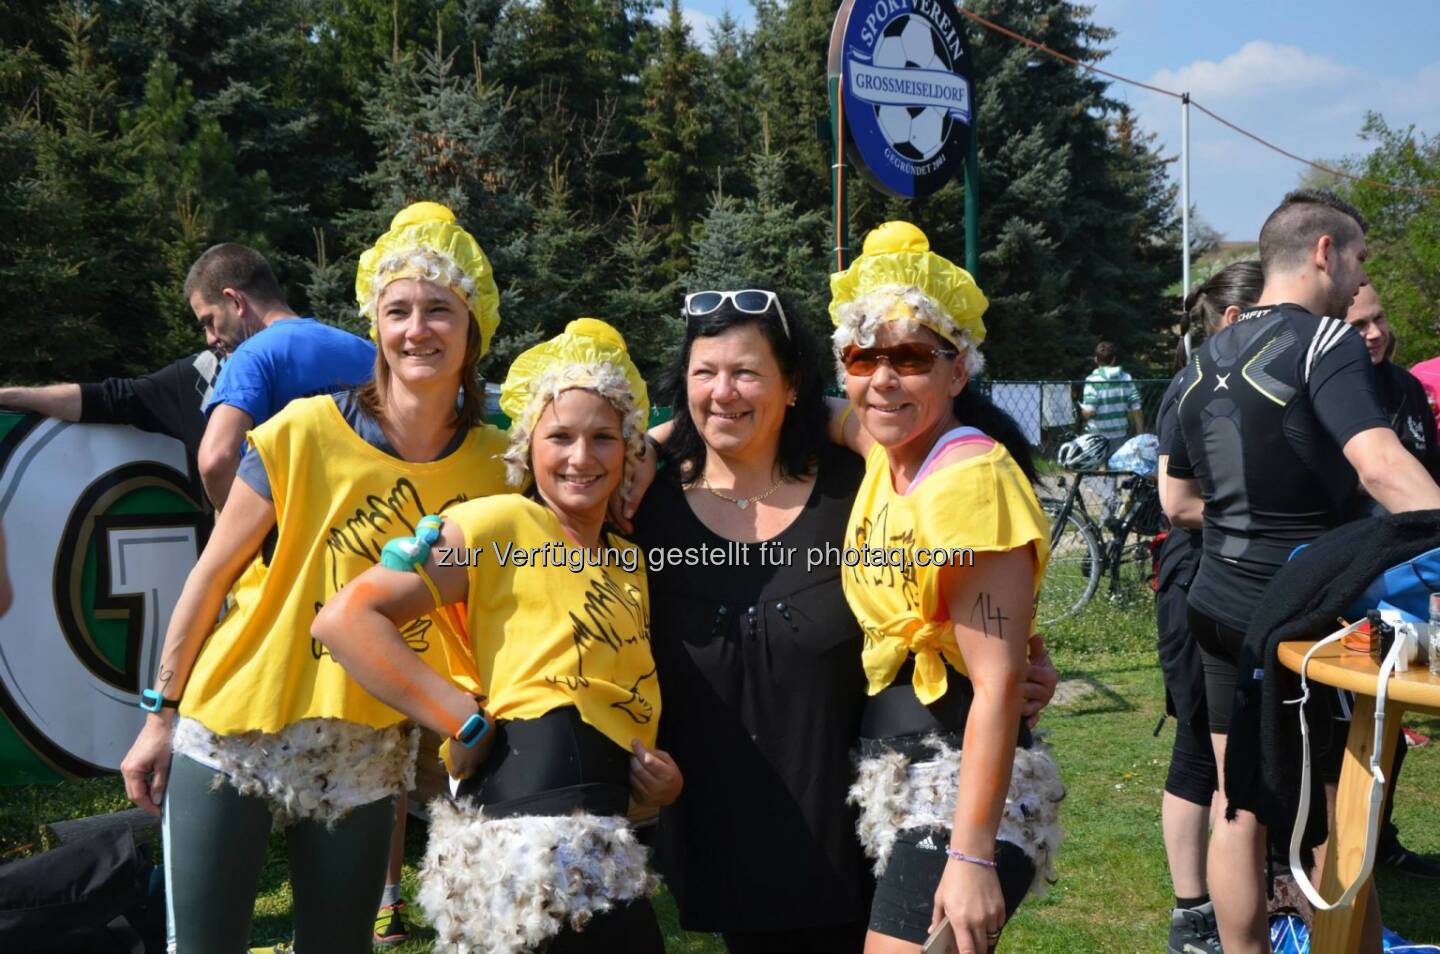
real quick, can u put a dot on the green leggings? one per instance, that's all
(215, 846)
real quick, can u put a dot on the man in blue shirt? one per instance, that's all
(272, 355)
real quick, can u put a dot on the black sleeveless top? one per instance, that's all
(760, 669)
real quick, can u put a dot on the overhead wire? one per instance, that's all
(1187, 98)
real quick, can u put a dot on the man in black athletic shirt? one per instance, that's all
(1271, 410)
(166, 402)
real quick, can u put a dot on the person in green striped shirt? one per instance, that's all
(1110, 402)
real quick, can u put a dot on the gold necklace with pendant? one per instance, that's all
(741, 502)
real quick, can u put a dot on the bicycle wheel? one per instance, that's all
(1074, 570)
(1133, 572)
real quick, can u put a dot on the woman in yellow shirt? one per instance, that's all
(944, 555)
(270, 729)
(558, 678)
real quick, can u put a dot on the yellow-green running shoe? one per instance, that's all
(392, 924)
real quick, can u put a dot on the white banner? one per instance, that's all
(908, 86)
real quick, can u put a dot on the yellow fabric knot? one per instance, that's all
(910, 634)
(897, 255)
(399, 253)
(577, 358)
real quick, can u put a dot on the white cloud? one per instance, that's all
(701, 24)
(1257, 68)
(1307, 104)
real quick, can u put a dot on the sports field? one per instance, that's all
(1113, 892)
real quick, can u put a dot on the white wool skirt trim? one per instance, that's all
(314, 769)
(895, 794)
(505, 885)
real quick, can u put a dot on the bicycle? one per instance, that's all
(1081, 554)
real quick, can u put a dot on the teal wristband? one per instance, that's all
(152, 701)
(474, 729)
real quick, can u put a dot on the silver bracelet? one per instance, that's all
(961, 856)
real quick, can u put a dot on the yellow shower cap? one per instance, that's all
(424, 242)
(897, 257)
(590, 354)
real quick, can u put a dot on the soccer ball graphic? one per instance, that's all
(915, 132)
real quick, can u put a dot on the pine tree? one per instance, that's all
(264, 70)
(641, 302)
(765, 239)
(730, 102)
(573, 67)
(564, 262)
(676, 127)
(187, 178)
(439, 137)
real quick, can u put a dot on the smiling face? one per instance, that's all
(900, 410)
(1368, 318)
(736, 392)
(577, 452)
(422, 330)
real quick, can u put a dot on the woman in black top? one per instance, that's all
(763, 695)
(753, 640)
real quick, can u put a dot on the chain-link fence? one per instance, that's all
(1048, 412)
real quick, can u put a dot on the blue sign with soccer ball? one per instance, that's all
(906, 83)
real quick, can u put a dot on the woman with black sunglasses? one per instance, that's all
(957, 842)
(763, 694)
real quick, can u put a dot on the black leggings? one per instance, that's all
(1219, 651)
(554, 765)
(1192, 774)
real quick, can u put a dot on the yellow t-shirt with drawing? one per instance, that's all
(546, 636)
(337, 500)
(984, 503)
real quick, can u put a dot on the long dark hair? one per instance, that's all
(974, 409)
(1238, 284)
(803, 432)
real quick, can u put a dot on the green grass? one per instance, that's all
(1113, 892)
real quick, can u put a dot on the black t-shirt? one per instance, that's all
(1265, 407)
(1403, 398)
(166, 402)
(763, 690)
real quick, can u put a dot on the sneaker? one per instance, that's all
(1412, 738)
(1193, 931)
(1406, 862)
(392, 924)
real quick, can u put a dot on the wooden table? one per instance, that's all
(1339, 932)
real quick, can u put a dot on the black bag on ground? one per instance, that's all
(91, 896)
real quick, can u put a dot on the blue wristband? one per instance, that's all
(152, 701)
(474, 729)
(407, 553)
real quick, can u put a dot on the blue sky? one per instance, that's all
(1301, 74)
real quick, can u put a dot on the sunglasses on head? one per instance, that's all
(903, 359)
(750, 301)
